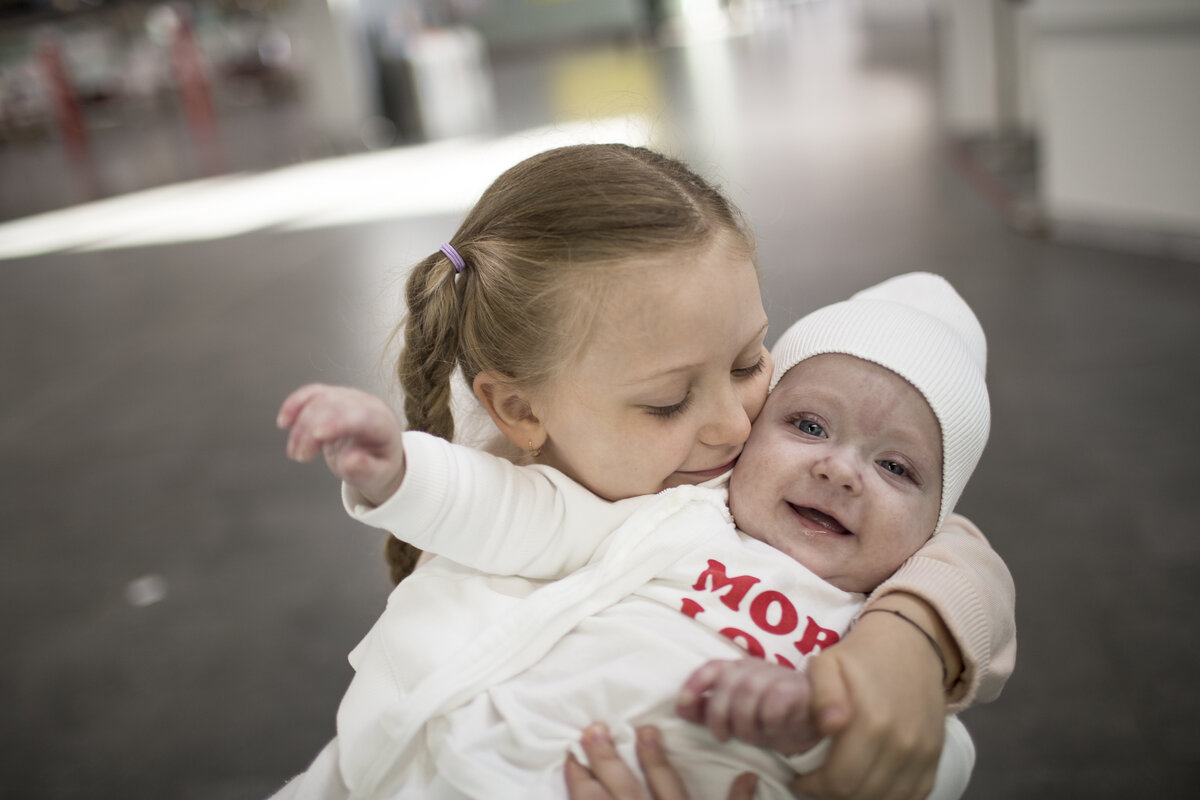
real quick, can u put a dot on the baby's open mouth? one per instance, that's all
(820, 519)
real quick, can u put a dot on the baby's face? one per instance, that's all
(842, 471)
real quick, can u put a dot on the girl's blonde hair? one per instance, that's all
(540, 247)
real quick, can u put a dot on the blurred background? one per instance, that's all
(206, 204)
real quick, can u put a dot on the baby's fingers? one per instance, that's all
(323, 416)
(693, 695)
(302, 445)
(294, 402)
(786, 721)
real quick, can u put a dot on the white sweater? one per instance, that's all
(475, 684)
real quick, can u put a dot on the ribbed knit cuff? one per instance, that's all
(962, 611)
(427, 469)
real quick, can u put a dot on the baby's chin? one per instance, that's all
(821, 555)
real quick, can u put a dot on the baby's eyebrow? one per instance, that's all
(925, 459)
(911, 438)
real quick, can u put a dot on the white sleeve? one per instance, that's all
(486, 513)
(957, 762)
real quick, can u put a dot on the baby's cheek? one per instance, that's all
(741, 505)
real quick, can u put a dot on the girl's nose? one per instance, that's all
(840, 468)
(728, 422)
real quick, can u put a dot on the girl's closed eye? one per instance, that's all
(673, 410)
(751, 371)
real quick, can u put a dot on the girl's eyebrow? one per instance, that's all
(660, 374)
(760, 333)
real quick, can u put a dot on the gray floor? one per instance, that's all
(140, 385)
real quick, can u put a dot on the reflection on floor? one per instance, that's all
(181, 598)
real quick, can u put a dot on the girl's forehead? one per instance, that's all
(718, 275)
(678, 262)
(678, 320)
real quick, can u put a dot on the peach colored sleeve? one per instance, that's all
(959, 574)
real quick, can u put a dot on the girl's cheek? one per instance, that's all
(758, 397)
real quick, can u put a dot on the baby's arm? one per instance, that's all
(751, 700)
(357, 433)
(479, 510)
(882, 690)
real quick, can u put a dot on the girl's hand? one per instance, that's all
(610, 778)
(357, 432)
(751, 700)
(879, 693)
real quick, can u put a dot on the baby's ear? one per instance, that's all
(510, 408)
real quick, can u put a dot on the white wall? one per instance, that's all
(336, 73)
(1118, 88)
(969, 88)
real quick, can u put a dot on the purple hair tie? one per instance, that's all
(455, 258)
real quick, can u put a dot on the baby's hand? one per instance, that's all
(357, 432)
(749, 699)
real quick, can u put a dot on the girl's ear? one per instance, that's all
(511, 410)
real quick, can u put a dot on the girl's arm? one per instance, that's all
(961, 593)
(883, 690)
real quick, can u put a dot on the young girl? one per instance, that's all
(602, 303)
(879, 415)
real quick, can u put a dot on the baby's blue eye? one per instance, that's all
(809, 427)
(894, 468)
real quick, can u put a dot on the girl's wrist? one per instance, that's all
(912, 612)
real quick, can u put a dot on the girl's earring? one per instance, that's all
(534, 452)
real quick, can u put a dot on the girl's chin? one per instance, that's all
(676, 479)
(701, 476)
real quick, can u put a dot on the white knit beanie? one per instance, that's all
(917, 326)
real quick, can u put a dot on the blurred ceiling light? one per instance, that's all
(420, 181)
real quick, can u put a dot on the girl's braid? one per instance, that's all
(425, 368)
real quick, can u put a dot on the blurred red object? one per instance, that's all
(68, 112)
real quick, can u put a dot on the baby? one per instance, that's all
(877, 416)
